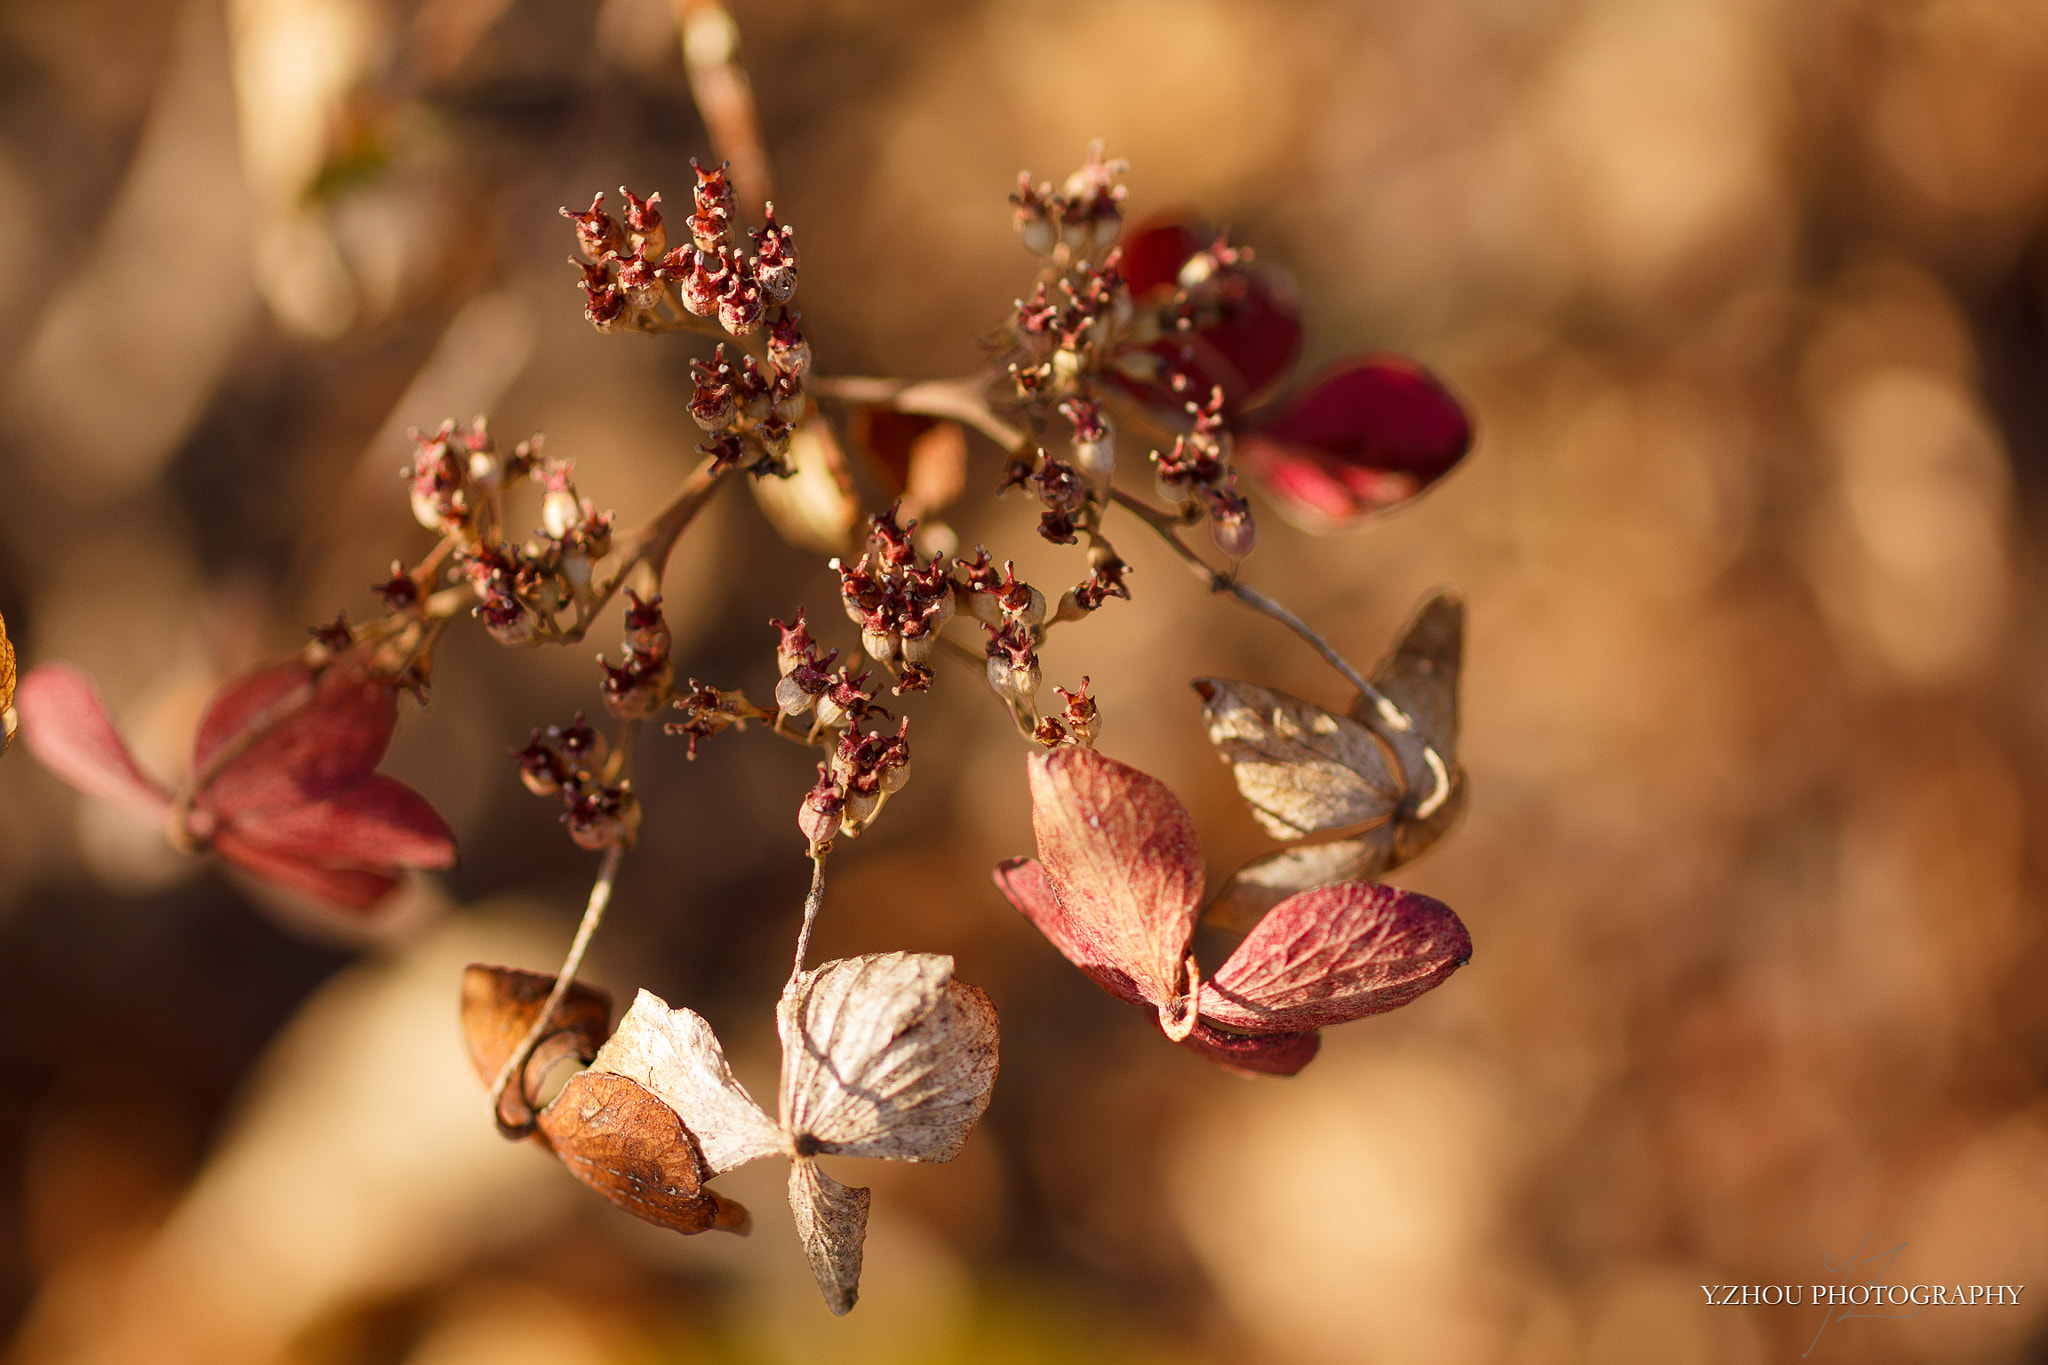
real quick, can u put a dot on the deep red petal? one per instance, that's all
(378, 823)
(324, 746)
(1155, 250)
(349, 888)
(1336, 953)
(1125, 867)
(1024, 881)
(1273, 1054)
(64, 720)
(1365, 435)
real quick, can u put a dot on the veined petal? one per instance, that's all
(1273, 1054)
(378, 823)
(1333, 954)
(1024, 881)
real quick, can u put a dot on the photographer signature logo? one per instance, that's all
(1861, 1289)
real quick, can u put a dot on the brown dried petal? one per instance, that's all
(885, 1056)
(675, 1055)
(1420, 677)
(1333, 954)
(1300, 768)
(814, 508)
(6, 687)
(1123, 862)
(625, 1143)
(832, 1219)
(499, 1005)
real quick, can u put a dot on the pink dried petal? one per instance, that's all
(350, 888)
(1334, 954)
(1273, 1054)
(1124, 865)
(380, 823)
(331, 742)
(64, 720)
(1024, 881)
(1365, 435)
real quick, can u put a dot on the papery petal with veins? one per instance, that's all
(675, 1055)
(1300, 768)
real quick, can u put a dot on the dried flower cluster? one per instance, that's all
(1165, 345)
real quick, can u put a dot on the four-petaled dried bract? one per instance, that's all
(1117, 889)
(882, 1056)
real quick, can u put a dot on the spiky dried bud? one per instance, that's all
(604, 306)
(1037, 214)
(647, 633)
(716, 206)
(541, 767)
(400, 592)
(643, 223)
(775, 261)
(507, 619)
(742, 309)
(707, 279)
(1083, 721)
(582, 745)
(597, 235)
(601, 814)
(714, 403)
(1231, 525)
(637, 279)
(819, 815)
(788, 352)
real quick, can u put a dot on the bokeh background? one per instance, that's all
(1751, 302)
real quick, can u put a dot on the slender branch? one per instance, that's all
(593, 915)
(1221, 582)
(811, 904)
(725, 99)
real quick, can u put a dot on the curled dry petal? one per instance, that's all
(1419, 677)
(70, 732)
(620, 1140)
(1300, 768)
(1124, 866)
(1366, 435)
(885, 1056)
(499, 1005)
(832, 1220)
(1272, 1054)
(1334, 954)
(676, 1056)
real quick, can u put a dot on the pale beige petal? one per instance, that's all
(832, 1219)
(1300, 768)
(674, 1054)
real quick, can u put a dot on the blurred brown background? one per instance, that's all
(1751, 301)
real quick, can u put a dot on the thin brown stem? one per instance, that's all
(593, 915)
(811, 904)
(725, 98)
(1168, 528)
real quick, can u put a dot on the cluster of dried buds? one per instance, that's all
(524, 588)
(458, 477)
(899, 602)
(635, 689)
(866, 766)
(632, 278)
(569, 762)
(708, 711)
(1085, 215)
(1196, 477)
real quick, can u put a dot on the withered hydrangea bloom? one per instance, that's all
(285, 771)
(1118, 888)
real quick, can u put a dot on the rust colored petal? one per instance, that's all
(1273, 1054)
(1125, 867)
(499, 1005)
(623, 1142)
(331, 740)
(1333, 954)
(379, 824)
(1366, 435)
(356, 889)
(6, 687)
(1023, 881)
(70, 732)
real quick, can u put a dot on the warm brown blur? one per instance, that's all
(1751, 302)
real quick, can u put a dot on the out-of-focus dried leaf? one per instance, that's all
(1124, 864)
(1300, 768)
(920, 459)
(499, 1005)
(885, 1056)
(814, 508)
(7, 721)
(676, 1056)
(1420, 674)
(1334, 954)
(72, 735)
(832, 1220)
(619, 1139)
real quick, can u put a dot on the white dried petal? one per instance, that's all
(1300, 768)
(885, 1056)
(832, 1219)
(674, 1054)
